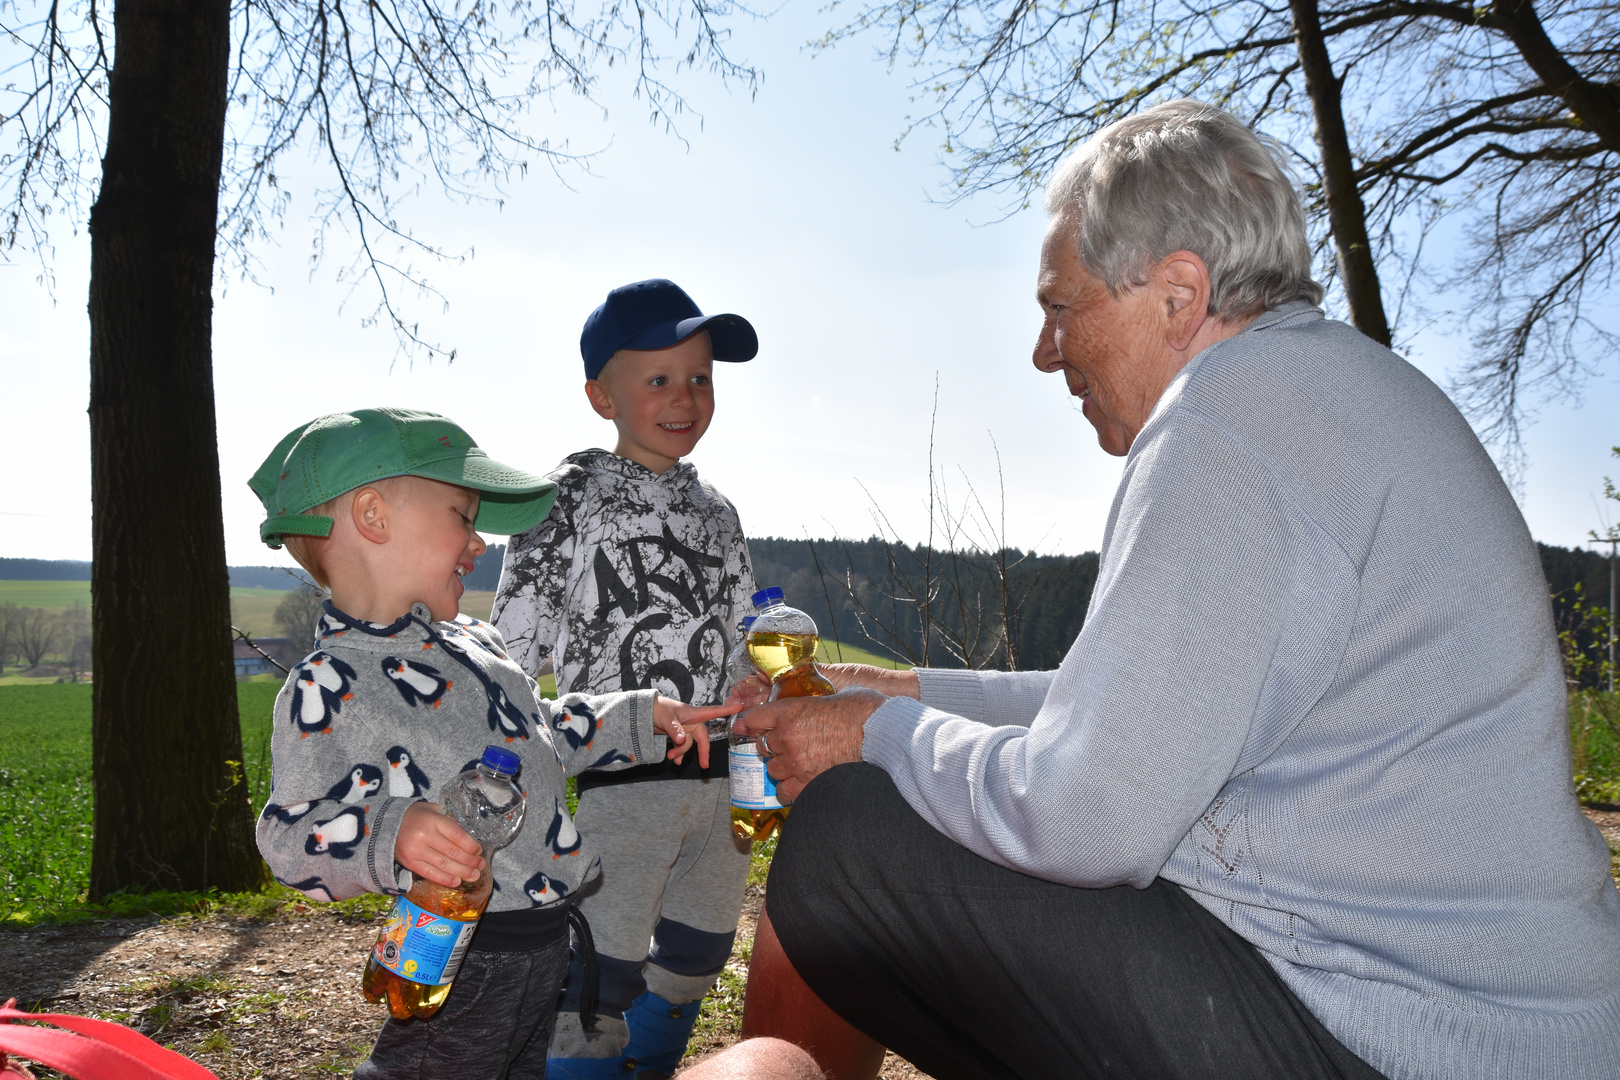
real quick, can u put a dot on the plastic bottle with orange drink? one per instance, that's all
(419, 951)
(782, 645)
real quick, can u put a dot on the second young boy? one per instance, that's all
(639, 578)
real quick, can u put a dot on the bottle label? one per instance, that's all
(751, 786)
(421, 946)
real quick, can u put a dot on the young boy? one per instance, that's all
(402, 694)
(639, 578)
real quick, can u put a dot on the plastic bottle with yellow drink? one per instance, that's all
(419, 951)
(781, 642)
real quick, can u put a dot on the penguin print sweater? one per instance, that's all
(635, 579)
(379, 717)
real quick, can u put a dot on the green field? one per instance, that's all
(50, 595)
(45, 790)
(833, 652)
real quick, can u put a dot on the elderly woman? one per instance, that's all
(1297, 803)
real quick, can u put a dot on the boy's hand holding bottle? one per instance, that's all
(432, 845)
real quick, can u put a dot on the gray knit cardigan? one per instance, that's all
(1318, 688)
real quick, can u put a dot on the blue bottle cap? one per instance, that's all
(501, 760)
(765, 597)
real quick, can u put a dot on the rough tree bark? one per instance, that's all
(165, 695)
(1346, 213)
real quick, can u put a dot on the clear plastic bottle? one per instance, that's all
(738, 668)
(781, 645)
(418, 953)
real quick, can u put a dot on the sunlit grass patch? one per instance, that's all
(215, 1042)
(720, 1019)
(208, 982)
(759, 862)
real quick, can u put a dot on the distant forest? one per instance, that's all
(871, 593)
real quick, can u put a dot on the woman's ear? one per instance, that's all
(1185, 280)
(369, 513)
(601, 398)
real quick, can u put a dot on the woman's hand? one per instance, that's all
(433, 846)
(803, 737)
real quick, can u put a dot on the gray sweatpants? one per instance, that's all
(664, 912)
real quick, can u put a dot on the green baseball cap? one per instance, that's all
(337, 453)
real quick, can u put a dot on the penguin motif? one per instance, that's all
(506, 717)
(320, 687)
(329, 625)
(406, 780)
(416, 682)
(309, 887)
(542, 890)
(338, 836)
(464, 622)
(577, 722)
(363, 780)
(612, 757)
(287, 815)
(562, 836)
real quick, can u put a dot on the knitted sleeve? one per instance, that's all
(604, 731)
(1220, 615)
(990, 697)
(329, 827)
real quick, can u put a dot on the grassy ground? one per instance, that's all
(1594, 738)
(45, 796)
(50, 595)
(254, 610)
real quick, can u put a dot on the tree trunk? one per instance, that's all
(171, 811)
(1346, 215)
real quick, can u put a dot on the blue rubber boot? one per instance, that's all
(617, 1068)
(659, 1032)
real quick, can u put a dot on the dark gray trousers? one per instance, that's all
(968, 969)
(495, 1025)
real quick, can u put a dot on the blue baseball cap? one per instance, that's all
(655, 314)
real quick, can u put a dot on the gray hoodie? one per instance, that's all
(634, 579)
(379, 717)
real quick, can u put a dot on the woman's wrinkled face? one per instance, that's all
(1111, 350)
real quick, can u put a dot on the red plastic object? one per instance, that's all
(92, 1049)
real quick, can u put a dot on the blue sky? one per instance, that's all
(792, 209)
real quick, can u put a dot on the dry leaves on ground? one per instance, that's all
(275, 998)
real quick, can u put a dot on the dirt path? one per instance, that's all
(277, 998)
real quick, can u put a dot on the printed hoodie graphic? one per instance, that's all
(635, 580)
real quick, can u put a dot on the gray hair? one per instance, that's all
(1184, 176)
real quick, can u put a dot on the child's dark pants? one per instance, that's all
(495, 1025)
